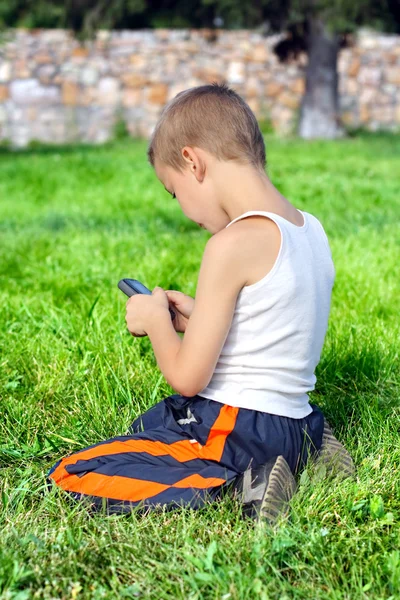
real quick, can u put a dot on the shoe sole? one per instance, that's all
(334, 456)
(280, 489)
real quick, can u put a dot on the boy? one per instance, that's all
(252, 336)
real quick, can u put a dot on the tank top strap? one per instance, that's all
(273, 216)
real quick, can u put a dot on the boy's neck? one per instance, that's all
(241, 189)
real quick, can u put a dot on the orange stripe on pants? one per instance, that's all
(132, 490)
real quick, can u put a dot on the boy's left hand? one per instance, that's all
(142, 308)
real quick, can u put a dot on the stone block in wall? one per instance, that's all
(354, 67)
(69, 123)
(254, 104)
(364, 114)
(273, 89)
(366, 41)
(103, 35)
(54, 36)
(79, 53)
(382, 99)
(282, 119)
(46, 73)
(131, 97)
(5, 72)
(348, 117)
(291, 71)
(382, 114)
(3, 93)
(132, 127)
(89, 76)
(367, 94)
(157, 94)
(392, 58)
(298, 85)
(32, 113)
(252, 87)
(30, 92)
(344, 58)
(258, 53)
(19, 134)
(171, 65)
(162, 34)
(95, 123)
(87, 96)
(10, 51)
(138, 60)
(302, 60)
(176, 89)
(144, 129)
(43, 58)
(236, 72)
(191, 48)
(289, 100)
(349, 86)
(347, 103)
(391, 90)
(369, 75)
(21, 69)
(392, 75)
(243, 46)
(208, 75)
(108, 91)
(386, 41)
(69, 71)
(134, 80)
(70, 92)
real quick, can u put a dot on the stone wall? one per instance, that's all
(54, 89)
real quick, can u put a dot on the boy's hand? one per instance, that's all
(183, 306)
(141, 309)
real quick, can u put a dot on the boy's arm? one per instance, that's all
(188, 363)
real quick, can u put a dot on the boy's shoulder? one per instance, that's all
(244, 230)
(249, 247)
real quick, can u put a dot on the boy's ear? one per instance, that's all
(188, 155)
(201, 170)
(195, 162)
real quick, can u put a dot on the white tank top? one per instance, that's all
(278, 328)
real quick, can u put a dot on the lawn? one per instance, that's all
(73, 221)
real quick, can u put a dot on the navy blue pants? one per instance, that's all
(184, 451)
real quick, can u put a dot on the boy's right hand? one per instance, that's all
(183, 306)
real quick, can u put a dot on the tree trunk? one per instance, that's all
(319, 113)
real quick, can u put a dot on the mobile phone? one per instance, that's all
(130, 287)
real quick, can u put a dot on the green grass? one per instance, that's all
(74, 221)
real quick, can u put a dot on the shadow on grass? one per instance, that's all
(38, 148)
(42, 148)
(348, 380)
(54, 221)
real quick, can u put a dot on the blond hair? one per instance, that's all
(211, 117)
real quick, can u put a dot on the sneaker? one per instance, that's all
(334, 456)
(265, 491)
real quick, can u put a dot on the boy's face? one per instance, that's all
(192, 192)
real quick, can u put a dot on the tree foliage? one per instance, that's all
(272, 15)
